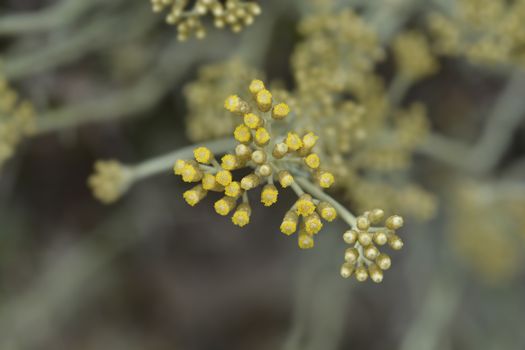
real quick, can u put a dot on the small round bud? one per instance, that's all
(264, 100)
(280, 111)
(203, 155)
(280, 150)
(351, 255)
(380, 238)
(376, 215)
(285, 178)
(362, 223)
(313, 223)
(243, 151)
(312, 161)
(252, 121)
(375, 273)
(223, 177)
(293, 141)
(262, 136)
(242, 133)
(361, 274)
(350, 236)
(256, 86)
(371, 252)
(347, 270)
(259, 157)
(394, 222)
(233, 189)
(364, 238)
(225, 205)
(264, 170)
(383, 261)
(395, 242)
(289, 223)
(241, 217)
(309, 140)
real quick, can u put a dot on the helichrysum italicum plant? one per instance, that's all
(483, 31)
(16, 120)
(187, 15)
(279, 156)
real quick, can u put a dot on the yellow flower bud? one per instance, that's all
(280, 111)
(371, 252)
(383, 261)
(312, 161)
(347, 270)
(325, 179)
(233, 189)
(305, 205)
(305, 240)
(224, 177)
(309, 140)
(327, 211)
(364, 238)
(285, 178)
(395, 242)
(394, 222)
(209, 183)
(269, 195)
(280, 150)
(293, 141)
(256, 86)
(259, 156)
(225, 205)
(375, 273)
(250, 181)
(203, 155)
(195, 195)
(232, 103)
(350, 236)
(380, 238)
(289, 223)
(264, 100)
(361, 274)
(241, 217)
(253, 121)
(230, 162)
(313, 223)
(362, 223)
(262, 136)
(351, 255)
(191, 173)
(242, 133)
(179, 166)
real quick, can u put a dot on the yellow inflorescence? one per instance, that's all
(17, 120)
(273, 155)
(235, 14)
(110, 181)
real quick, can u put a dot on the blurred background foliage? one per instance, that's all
(110, 80)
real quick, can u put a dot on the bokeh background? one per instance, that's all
(149, 272)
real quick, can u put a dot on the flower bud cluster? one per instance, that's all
(275, 155)
(364, 259)
(186, 15)
(17, 120)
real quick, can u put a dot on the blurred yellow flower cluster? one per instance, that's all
(205, 120)
(339, 96)
(483, 31)
(110, 180)
(186, 15)
(488, 228)
(17, 120)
